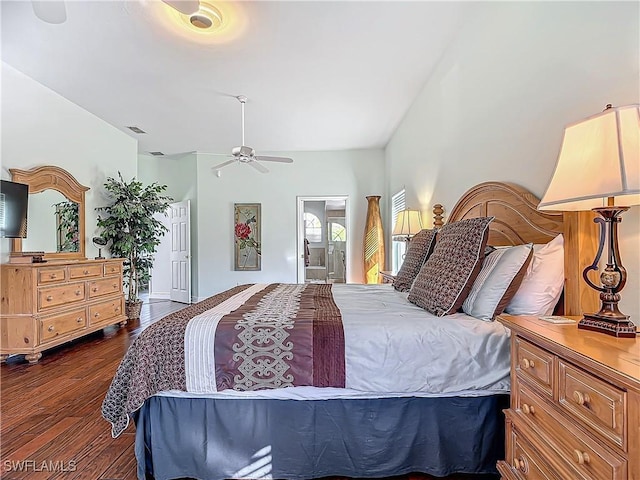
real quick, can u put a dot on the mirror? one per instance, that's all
(55, 218)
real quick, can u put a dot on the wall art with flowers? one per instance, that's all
(247, 233)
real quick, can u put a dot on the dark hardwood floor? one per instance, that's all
(50, 422)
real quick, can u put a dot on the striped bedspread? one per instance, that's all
(251, 337)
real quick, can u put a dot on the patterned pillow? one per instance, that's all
(448, 274)
(498, 281)
(420, 247)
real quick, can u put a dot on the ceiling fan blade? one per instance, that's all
(53, 11)
(263, 158)
(224, 164)
(186, 7)
(258, 166)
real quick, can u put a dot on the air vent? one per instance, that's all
(157, 154)
(136, 129)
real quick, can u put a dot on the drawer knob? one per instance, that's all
(581, 398)
(520, 464)
(528, 409)
(96, 315)
(526, 363)
(86, 272)
(117, 309)
(50, 328)
(78, 293)
(79, 320)
(94, 289)
(581, 458)
(53, 275)
(49, 298)
(115, 285)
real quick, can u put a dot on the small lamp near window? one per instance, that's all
(599, 169)
(407, 224)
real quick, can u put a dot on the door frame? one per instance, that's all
(300, 199)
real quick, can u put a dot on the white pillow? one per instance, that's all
(502, 273)
(542, 284)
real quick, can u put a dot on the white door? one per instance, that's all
(180, 257)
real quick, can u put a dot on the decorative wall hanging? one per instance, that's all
(373, 242)
(247, 234)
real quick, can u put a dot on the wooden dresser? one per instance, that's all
(47, 304)
(575, 403)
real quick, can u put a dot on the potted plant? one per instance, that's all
(133, 233)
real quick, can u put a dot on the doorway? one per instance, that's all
(323, 239)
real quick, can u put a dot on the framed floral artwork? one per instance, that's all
(247, 233)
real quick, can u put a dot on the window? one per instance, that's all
(338, 232)
(398, 248)
(312, 227)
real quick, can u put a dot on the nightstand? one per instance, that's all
(575, 403)
(387, 276)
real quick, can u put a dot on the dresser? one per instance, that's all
(47, 304)
(575, 403)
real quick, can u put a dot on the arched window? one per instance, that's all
(338, 232)
(312, 227)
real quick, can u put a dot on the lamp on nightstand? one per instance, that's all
(407, 224)
(599, 169)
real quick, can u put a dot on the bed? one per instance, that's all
(341, 380)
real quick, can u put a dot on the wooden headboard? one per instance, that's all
(518, 221)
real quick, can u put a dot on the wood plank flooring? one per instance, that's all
(50, 422)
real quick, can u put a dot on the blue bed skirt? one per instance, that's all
(211, 439)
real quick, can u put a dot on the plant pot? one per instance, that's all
(132, 309)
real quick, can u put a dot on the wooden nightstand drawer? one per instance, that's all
(105, 311)
(51, 275)
(534, 364)
(52, 327)
(85, 271)
(104, 286)
(54, 296)
(589, 459)
(526, 462)
(595, 403)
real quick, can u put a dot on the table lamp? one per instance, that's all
(408, 223)
(599, 169)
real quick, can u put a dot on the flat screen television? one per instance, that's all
(14, 198)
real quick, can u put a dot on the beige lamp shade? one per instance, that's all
(408, 223)
(599, 159)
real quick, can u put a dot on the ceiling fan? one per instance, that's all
(247, 155)
(55, 11)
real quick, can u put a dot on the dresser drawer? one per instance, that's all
(593, 402)
(534, 364)
(85, 271)
(525, 461)
(57, 325)
(588, 459)
(50, 297)
(104, 311)
(104, 286)
(112, 268)
(51, 275)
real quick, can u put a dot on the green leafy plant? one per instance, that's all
(67, 219)
(131, 230)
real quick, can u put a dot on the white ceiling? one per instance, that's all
(319, 75)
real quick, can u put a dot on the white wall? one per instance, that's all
(354, 173)
(496, 105)
(39, 127)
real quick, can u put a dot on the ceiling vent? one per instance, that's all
(157, 154)
(135, 129)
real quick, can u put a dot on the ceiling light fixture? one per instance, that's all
(207, 17)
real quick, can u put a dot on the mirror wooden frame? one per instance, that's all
(55, 178)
